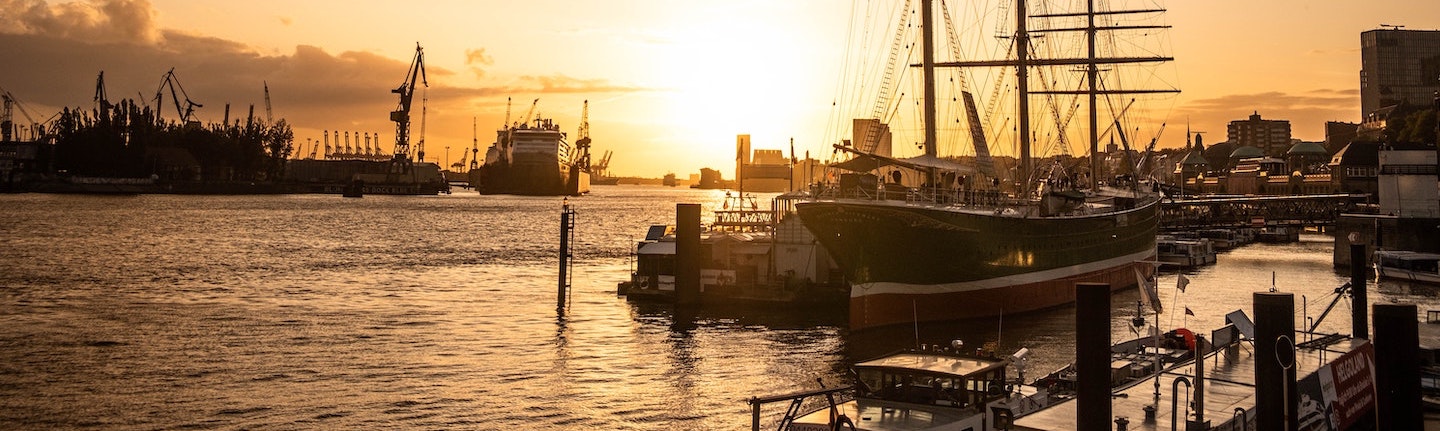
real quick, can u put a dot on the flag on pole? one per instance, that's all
(1181, 282)
(1148, 294)
(1188, 312)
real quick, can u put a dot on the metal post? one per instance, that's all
(1092, 356)
(687, 254)
(1274, 360)
(567, 227)
(1397, 375)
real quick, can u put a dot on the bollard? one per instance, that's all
(1092, 356)
(687, 254)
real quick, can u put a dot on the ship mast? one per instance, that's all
(1023, 62)
(927, 21)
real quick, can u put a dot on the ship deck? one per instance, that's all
(1229, 385)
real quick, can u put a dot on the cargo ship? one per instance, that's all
(965, 242)
(533, 158)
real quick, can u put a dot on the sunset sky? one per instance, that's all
(670, 83)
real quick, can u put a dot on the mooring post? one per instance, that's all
(687, 254)
(1359, 304)
(1275, 408)
(1397, 375)
(567, 227)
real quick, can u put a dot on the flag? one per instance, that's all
(1181, 282)
(1188, 312)
(1148, 295)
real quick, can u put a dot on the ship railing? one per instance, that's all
(743, 220)
(981, 199)
(798, 404)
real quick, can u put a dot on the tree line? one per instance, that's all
(130, 140)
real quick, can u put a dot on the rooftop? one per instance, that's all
(940, 364)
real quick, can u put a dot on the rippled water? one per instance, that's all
(311, 311)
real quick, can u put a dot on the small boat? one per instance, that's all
(1278, 234)
(932, 388)
(1408, 265)
(1184, 253)
(356, 189)
(1222, 239)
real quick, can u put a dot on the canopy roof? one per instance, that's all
(865, 162)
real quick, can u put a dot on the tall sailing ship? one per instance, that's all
(533, 158)
(962, 241)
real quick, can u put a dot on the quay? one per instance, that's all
(1261, 375)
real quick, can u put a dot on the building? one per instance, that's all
(1398, 66)
(1407, 183)
(1307, 158)
(1355, 168)
(1271, 136)
(1338, 134)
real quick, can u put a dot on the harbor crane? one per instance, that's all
(602, 167)
(187, 115)
(582, 140)
(8, 129)
(475, 138)
(102, 101)
(401, 114)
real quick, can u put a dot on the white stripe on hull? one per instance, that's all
(894, 303)
(885, 287)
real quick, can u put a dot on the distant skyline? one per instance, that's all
(670, 84)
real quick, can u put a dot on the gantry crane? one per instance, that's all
(187, 115)
(401, 114)
(602, 167)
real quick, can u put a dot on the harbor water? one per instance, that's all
(438, 312)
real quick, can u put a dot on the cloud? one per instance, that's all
(53, 52)
(113, 21)
(476, 58)
(564, 84)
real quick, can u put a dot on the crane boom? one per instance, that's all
(187, 114)
(529, 112)
(475, 137)
(269, 115)
(401, 114)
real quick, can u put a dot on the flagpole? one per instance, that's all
(1155, 332)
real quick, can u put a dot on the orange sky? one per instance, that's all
(669, 83)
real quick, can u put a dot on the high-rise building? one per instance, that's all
(1398, 66)
(1270, 136)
